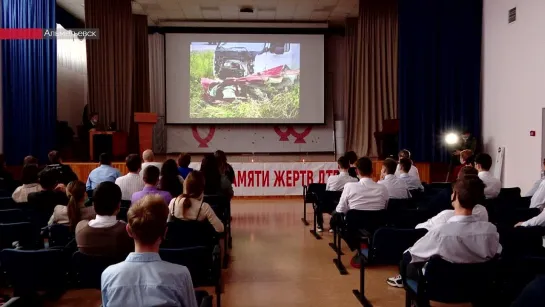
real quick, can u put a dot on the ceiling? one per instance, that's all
(158, 11)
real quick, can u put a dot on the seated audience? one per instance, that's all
(132, 182)
(63, 173)
(151, 178)
(7, 184)
(30, 184)
(75, 211)
(215, 182)
(413, 183)
(483, 163)
(105, 172)
(149, 159)
(413, 171)
(191, 206)
(462, 239)
(365, 194)
(397, 188)
(536, 185)
(170, 179)
(533, 294)
(43, 202)
(143, 279)
(538, 220)
(30, 160)
(337, 182)
(225, 168)
(352, 158)
(105, 235)
(479, 212)
(183, 165)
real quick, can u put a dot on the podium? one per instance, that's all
(145, 122)
(117, 147)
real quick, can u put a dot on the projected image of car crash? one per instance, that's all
(244, 80)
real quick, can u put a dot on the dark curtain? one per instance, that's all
(371, 74)
(29, 82)
(140, 76)
(439, 73)
(110, 60)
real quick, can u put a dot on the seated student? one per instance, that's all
(30, 160)
(397, 188)
(43, 202)
(143, 279)
(365, 194)
(151, 178)
(405, 154)
(149, 159)
(536, 185)
(75, 211)
(63, 173)
(413, 183)
(105, 235)
(132, 182)
(216, 183)
(105, 172)
(225, 168)
(170, 180)
(483, 163)
(462, 239)
(183, 165)
(30, 184)
(337, 182)
(191, 206)
(352, 158)
(479, 212)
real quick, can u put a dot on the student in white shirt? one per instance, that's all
(397, 188)
(536, 185)
(463, 239)
(352, 158)
(413, 183)
(538, 220)
(132, 182)
(334, 183)
(365, 194)
(30, 184)
(479, 212)
(405, 154)
(149, 159)
(483, 163)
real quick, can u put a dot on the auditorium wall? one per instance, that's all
(513, 87)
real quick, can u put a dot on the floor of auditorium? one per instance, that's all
(277, 262)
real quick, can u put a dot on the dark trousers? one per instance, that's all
(407, 269)
(321, 209)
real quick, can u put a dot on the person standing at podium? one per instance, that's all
(92, 123)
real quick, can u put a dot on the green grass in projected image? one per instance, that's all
(279, 104)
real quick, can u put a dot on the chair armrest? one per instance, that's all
(364, 234)
(13, 302)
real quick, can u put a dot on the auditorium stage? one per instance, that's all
(263, 176)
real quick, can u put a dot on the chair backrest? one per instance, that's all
(449, 282)
(312, 189)
(122, 214)
(181, 234)
(87, 269)
(59, 235)
(439, 185)
(511, 194)
(388, 243)
(363, 219)
(30, 271)
(7, 203)
(25, 233)
(400, 204)
(328, 197)
(521, 241)
(125, 203)
(220, 204)
(13, 216)
(197, 259)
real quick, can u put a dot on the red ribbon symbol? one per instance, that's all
(299, 137)
(203, 143)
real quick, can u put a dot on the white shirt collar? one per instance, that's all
(484, 173)
(343, 173)
(106, 219)
(461, 219)
(403, 175)
(389, 177)
(30, 185)
(366, 179)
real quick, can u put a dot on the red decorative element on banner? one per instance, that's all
(203, 143)
(299, 137)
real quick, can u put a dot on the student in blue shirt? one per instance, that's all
(105, 172)
(183, 165)
(143, 279)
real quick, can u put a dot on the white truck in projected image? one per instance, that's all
(244, 80)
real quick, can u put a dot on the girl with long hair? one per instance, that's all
(75, 211)
(191, 206)
(170, 180)
(215, 182)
